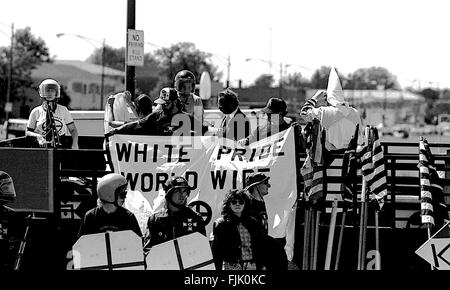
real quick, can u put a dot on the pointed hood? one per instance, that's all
(335, 94)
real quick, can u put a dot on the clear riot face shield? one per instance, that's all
(7, 191)
(49, 90)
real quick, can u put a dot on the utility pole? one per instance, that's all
(270, 51)
(228, 71)
(102, 90)
(11, 58)
(281, 81)
(130, 71)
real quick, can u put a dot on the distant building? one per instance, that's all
(80, 80)
(375, 105)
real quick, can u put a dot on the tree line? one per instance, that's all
(161, 66)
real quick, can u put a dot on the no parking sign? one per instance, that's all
(135, 48)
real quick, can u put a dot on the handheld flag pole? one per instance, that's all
(363, 207)
(339, 246)
(348, 187)
(316, 239)
(331, 235)
(320, 203)
(312, 232)
(306, 239)
(364, 236)
(377, 243)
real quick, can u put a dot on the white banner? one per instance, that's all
(211, 165)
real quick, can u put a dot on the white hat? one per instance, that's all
(335, 95)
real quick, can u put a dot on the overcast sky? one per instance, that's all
(409, 38)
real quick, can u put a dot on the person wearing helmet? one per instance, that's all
(185, 86)
(166, 121)
(8, 222)
(39, 122)
(110, 215)
(175, 219)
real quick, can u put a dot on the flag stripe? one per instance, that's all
(373, 167)
(349, 173)
(313, 179)
(433, 208)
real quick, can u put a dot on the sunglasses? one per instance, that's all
(123, 194)
(237, 201)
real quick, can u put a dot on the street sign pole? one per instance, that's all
(130, 72)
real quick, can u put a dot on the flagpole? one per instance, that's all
(316, 238)
(349, 172)
(320, 202)
(341, 235)
(429, 237)
(377, 243)
(362, 209)
(361, 223)
(364, 236)
(311, 237)
(331, 235)
(306, 228)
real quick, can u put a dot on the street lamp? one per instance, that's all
(90, 40)
(285, 65)
(226, 60)
(280, 87)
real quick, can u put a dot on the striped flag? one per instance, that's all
(433, 208)
(313, 179)
(373, 167)
(313, 167)
(349, 173)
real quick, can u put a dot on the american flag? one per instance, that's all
(373, 167)
(349, 173)
(431, 189)
(313, 179)
(313, 167)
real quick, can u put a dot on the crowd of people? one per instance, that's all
(240, 238)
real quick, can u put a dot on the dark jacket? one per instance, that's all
(258, 211)
(10, 234)
(162, 227)
(237, 128)
(226, 242)
(97, 220)
(267, 130)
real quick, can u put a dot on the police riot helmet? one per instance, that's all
(7, 191)
(110, 187)
(184, 76)
(49, 84)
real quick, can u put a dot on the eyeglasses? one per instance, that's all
(237, 201)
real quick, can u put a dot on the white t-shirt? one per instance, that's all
(37, 120)
(121, 111)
